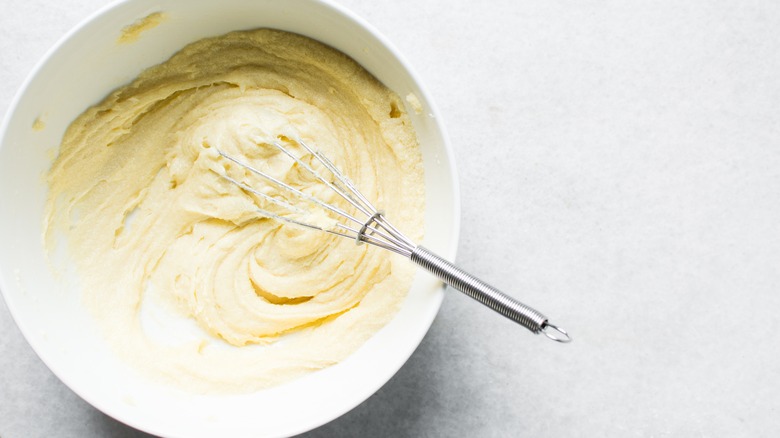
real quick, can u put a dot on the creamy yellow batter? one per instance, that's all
(183, 276)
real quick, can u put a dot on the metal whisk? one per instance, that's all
(373, 228)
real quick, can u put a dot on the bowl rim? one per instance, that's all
(449, 254)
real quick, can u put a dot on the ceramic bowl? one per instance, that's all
(78, 72)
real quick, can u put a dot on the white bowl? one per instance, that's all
(78, 72)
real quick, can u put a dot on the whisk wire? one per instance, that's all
(271, 199)
(347, 183)
(319, 177)
(372, 234)
(290, 188)
(339, 176)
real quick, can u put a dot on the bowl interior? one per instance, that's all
(85, 66)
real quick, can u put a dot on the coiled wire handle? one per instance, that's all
(486, 294)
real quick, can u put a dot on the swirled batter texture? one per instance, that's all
(183, 275)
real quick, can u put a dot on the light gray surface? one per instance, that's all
(620, 171)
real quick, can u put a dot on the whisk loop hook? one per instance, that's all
(565, 338)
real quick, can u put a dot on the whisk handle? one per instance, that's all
(486, 294)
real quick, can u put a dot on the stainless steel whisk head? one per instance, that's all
(369, 225)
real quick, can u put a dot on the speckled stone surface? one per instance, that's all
(620, 170)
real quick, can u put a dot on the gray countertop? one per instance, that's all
(620, 170)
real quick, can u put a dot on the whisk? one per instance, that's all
(369, 225)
